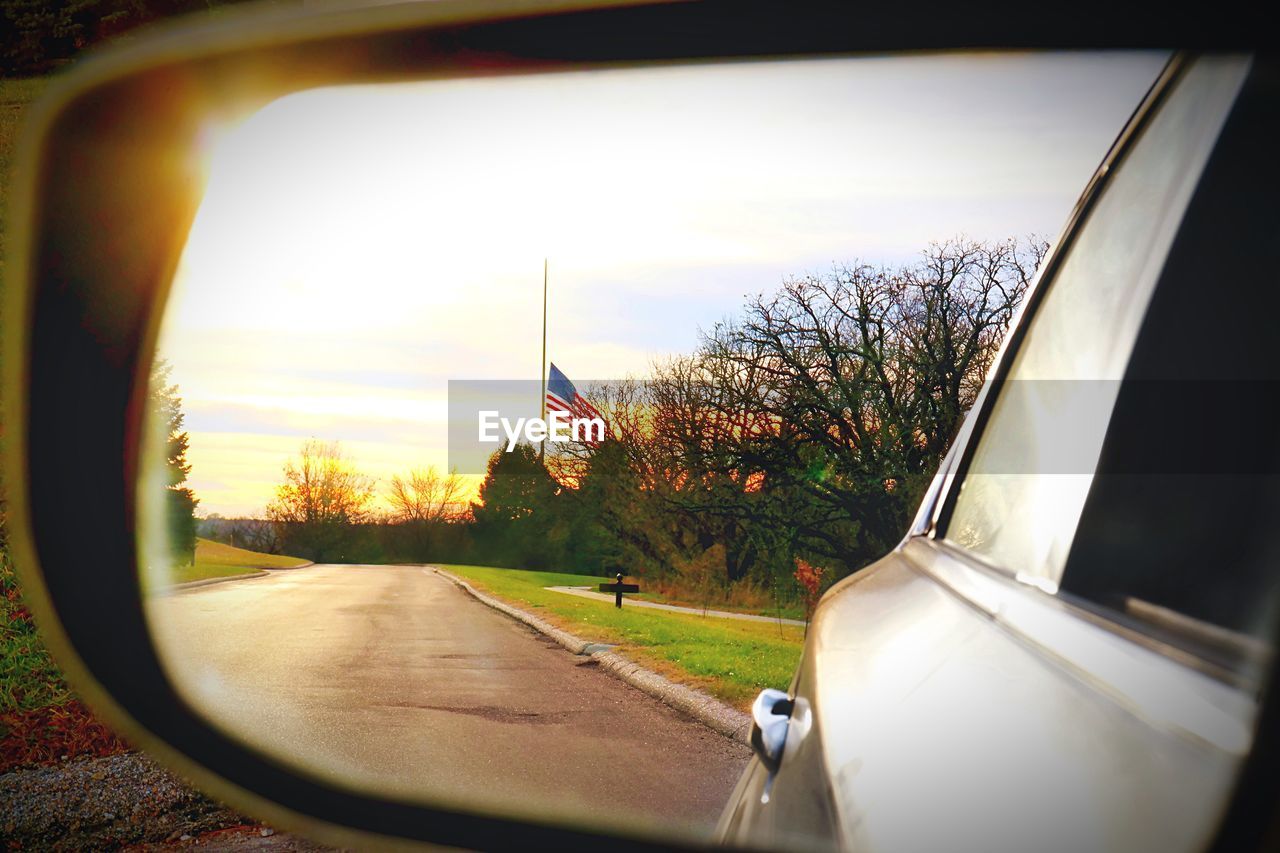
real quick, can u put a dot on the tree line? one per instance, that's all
(799, 434)
(324, 510)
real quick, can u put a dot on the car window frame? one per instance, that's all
(940, 499)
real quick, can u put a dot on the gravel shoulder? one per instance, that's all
(122, 801)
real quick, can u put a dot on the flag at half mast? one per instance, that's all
(562, 396)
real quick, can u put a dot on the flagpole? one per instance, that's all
(542, 452)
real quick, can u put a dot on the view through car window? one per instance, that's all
(647, 357)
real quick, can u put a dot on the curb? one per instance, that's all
(707, 710)
(260, 573)
(178, 587)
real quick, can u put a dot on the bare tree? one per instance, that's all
(425, 495)
(322, 498)
(256, 534)
(807, 426)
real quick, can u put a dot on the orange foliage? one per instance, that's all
(47, 735)
(809, 577)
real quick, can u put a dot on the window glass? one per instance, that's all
(1021, 498)
(1186, 453)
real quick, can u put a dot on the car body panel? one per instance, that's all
(943, 726)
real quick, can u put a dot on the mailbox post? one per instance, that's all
(618, 589)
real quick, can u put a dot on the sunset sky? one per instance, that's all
(358, 247)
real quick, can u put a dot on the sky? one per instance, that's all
(357, 247)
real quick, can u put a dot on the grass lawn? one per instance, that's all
(215, 560)
(728, 658)
(28, 677)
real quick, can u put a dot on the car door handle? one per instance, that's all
(770, 718)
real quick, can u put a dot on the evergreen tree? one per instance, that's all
(180, 502)
(516, 513)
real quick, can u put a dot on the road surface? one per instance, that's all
(393, 679)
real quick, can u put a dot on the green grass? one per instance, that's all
(731, 659)
(215, 560)
(29, 679)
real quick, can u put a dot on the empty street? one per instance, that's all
(392, 678)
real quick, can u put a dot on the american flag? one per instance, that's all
(563, 397)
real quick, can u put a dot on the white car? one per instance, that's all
(1068, 649)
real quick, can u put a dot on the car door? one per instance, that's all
(1066, 652)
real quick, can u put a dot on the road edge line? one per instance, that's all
(260, 573)
(308, 564)
(711, 712)
(178, 587)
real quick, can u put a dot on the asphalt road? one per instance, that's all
(391, 678)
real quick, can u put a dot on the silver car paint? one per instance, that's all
(945, 727)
